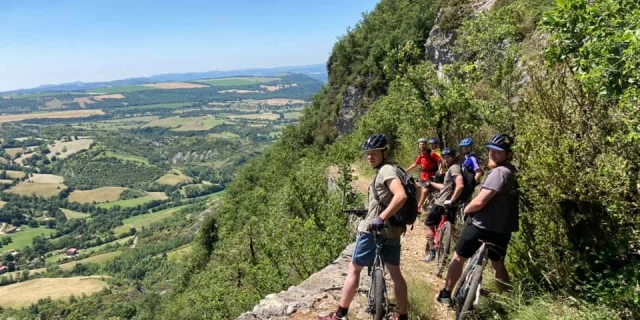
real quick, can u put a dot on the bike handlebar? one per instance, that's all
(357, 212)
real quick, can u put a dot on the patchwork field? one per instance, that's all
(292, 115)
(98, 195)
(278, 87)
(173, 178)
(23, 238)
(187, 124)
(45, 178)
(50, 115)
(145, 219)
(15, 174)
(276, 102)
(134, 202)
(70, 214)
(6, 181)
(83, 101)
(125, 157)
(71, 147)
(26, 293)
(13, 152)
(123, 89)
(240, 91)
(175, 85)
(237, 81)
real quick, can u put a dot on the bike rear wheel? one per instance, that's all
(471, 294)
(378, 292)
(443, 250)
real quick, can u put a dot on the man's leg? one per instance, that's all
(501, 274)
(351, 284)
(400, 288)
(454, 272)
(433, 218)
(423, 196)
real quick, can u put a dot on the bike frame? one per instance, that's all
(378, 263)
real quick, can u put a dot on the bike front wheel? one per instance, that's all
(443, 250)
(471, 294)
(378, 292)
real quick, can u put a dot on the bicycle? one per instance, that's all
(377, 299)
(442, 244)
(467, 293)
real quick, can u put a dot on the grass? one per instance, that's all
(99, 259)
(24, 238)
(2, 203)
(88, 251)
(70, 214)
(126, 157)
(26, 293)
(178, 254)
(128, 203)
(187, 124)
(44, 190)
(237, 81)
(98, 195)
(224, 135)
(257, 116)
(123, 89)
(15, 174)
(145, 220)
(292, 115)
(172, 178)
(176, 105)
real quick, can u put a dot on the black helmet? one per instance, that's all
(501, 142)
(376, 142)
(434, 140)
(449, 152)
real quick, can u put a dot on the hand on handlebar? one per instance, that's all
(376, 225)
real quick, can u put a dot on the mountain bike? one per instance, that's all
(377, 299)
(467, 293)
(442, 243)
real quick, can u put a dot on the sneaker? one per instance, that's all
(430, 256)
(331, 316)
(444, 297)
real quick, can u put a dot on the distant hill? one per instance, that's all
(316, 71)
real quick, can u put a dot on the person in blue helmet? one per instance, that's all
(471, 162)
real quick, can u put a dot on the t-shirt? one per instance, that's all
(501, 214)
(471, 162)
(449, 184)
(428, 165)
(384, 177)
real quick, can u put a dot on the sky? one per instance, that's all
(57, 41)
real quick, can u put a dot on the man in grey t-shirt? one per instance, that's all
(450, 191)
(494, 216)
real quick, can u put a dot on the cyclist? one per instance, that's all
(430, 163)
(450, 190)
(390, 190)
(434, 144)
(494, 216)
(471, 162)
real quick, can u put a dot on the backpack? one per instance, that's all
(408, 213)
(469, 179)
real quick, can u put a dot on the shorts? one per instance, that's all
(469, 242)
(435, 215)
(365, 251)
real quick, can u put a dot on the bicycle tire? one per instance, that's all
(378, 284)
(471, 293)
(465, 277)
(442, 253)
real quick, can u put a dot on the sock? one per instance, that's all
(342, 312)
(403, 317)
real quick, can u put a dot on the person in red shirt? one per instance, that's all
(430, 163)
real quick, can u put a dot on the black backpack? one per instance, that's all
(408, 213)
(469, 179)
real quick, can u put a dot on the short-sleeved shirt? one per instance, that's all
(449, 184)
(428, 164)
(385, 175)
(501, 214)
(471, 162)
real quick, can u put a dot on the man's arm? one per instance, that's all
(476, 168)
(399, 197)
(437, 186)
(478, 175)
(479, 201)
(413, 166)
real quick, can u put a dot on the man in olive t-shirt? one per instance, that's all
(494, 216)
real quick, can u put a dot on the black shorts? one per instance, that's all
(435, 215)
(469, 242)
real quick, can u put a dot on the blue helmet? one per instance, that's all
(466, 142)
(449, 152)
(433, 140)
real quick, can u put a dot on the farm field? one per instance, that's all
(132, 202)
(101, 258)
(70, 214)
(50, 115)
(187, 124)
(2, 204)
(15, 174)
(292, 115)
(124, 157)
(238, 81)
(25, 293)
(103, 194)
(145, 219)
(63, 149)
(257, 116)
(122, 89)
(172, 178)
(23, 238)
(175, 85)
(41, 185)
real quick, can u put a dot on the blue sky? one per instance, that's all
(55, 41)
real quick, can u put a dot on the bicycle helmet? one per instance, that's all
(449, 152)
(423, 140)
(466, 142)
(433, 140)
(376, 142)
(501, 142)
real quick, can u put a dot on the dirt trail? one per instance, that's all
(412, 265)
